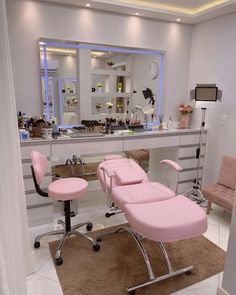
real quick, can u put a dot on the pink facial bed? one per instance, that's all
(153, 210)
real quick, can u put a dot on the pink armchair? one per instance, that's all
(222, 193)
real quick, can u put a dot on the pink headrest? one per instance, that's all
(127, 175)
(113, 157)
(228, 172)
(40, 165)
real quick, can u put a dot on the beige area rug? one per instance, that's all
(119, 265)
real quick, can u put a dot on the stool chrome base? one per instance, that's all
(68, 231)
(58, 258)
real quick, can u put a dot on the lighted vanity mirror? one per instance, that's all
(91, 82)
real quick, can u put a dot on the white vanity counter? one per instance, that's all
(182, 142)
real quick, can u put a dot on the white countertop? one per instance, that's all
(63, 138)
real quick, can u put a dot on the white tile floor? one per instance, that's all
(44, 280)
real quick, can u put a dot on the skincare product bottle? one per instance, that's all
(20, 120)
(169, 123)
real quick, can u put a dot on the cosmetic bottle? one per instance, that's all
(169, 123)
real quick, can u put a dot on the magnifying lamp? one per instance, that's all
(147, 93)
(148, 110)
(145, 110)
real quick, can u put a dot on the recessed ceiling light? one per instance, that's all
(178, 19)
(137, 13)
(87, 5)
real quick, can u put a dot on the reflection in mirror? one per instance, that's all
(85, 166)
(92, 82)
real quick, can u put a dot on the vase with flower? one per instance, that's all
(185, 111)
(109, 106)
(119, 87)
(120, 107)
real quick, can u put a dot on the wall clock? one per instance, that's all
(153, 70)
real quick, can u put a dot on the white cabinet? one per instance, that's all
(187, 159)
(40, 209)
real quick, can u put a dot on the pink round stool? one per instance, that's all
(64, 190)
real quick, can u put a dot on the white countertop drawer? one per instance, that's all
(168, 141)
(43, 149)
(190, 163)
(191, 139)
(189, 175)
(190, 151)
(67, 149)
(183, 187)
(29, 183)
(26, 166)
(35, 199)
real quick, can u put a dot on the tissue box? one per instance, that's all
(24, 134)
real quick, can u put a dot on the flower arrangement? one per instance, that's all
(185, 109)
(109, 105)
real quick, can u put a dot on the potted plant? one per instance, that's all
(119, 86)
(109, 106)
(99, 86)
(98, 107)
(110, 63)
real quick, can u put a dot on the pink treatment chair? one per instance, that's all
(152, 210)
(117, 171)
(64, 190)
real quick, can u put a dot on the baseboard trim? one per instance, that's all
(221, 291)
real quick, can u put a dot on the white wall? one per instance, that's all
(67, 65)
(213, 61)
(30, 20)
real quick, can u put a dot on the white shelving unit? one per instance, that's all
(110, 93)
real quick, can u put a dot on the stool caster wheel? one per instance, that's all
(36, 245)
(96, 247)
(189, 272)
(107, 215)
(132, 292)
(59, 261)
(89, 226)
